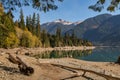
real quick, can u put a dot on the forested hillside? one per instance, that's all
(28, 33)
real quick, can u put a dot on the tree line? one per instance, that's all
(27, 33)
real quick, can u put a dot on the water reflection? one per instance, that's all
(63, 54)
(103, 54)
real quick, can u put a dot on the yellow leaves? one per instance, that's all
(37, 42)
(11, 40)
(19, 32)
(29, 40)
(20, 38)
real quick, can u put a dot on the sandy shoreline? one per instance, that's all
(39, 50)
(57, 69)
(45, 70)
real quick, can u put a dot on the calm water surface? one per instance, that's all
(105, 54)
(99, 54)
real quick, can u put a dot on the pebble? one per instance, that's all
(2, 53)
(1, 63)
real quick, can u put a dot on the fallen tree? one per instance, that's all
(108, 77)
(23, 67)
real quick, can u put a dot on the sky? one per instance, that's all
(69, 10)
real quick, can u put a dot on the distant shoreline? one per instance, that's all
(38, 50)
(75, 48)
(106, 46)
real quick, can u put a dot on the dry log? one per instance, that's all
(12, 59)
(23, 67)
(108, 77)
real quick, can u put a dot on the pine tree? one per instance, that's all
(8, 23)
(22, 23)
(29, 23)
(67, 40)
(52, 40)
(3, 35)
(38, 32)
(34, 24)
(58, 39)
(45, 39)
(74, 39)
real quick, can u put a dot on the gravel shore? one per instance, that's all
(39, 50)
(57, 69)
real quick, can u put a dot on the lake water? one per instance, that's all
(105, 54)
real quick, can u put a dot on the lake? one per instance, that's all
(103, 54)
(100, 54)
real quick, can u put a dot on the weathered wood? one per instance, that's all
(12, 59)
(21, 62)
(108, 77)
(23, 67)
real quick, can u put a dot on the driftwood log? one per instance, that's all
(23, 67)
(107, 77)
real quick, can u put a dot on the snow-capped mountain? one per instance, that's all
(102, 29)
(65, 26)
(63, 22)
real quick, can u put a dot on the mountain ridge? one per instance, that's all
(64, 25)
(101, 29)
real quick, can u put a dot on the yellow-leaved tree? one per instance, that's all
(28, 40)
(11, 40)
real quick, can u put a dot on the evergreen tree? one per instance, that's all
(38, 31)
(52, 40)
(3, 35)
(66, 39)
(22, 23)
(58, 39)
(74, 39)
(34, 23)
(45, 39)
(29, 23)
(7, 21)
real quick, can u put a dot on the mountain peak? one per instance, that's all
(63, 21)
(59, 20)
